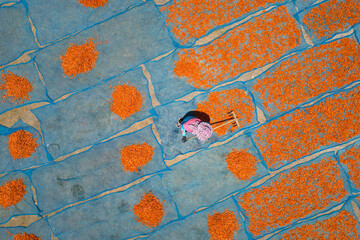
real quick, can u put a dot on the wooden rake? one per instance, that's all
(233, 120)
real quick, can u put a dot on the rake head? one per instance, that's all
(235, 123)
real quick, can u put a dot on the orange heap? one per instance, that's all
(93, 3)
(254, 44)
(313, 72)
(332, 16)
(126, 100)
(223, 226)
(135, 156)
(341, 226)
(149, 211)
(220, 103)
(12, 192)
(298, 134)
(241, 163)
(22, 144)
(17, 87)
(293, 195)
(194, 18)
(79, 58)
(351, 158)
(25, 236)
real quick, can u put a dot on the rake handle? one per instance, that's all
(231, 120)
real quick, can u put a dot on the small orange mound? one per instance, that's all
(223, 226)
(79, 58)
(134, 156)
(125, 100)
(241, 163)
(149, 211)
(341, 226)
(12, 192)
(220, 103)
(93, 3)
(25, 236)
(22, 144)
(17, 87)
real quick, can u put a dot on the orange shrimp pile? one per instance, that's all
(79, 59)
(220, 103)
(331, 16)
(12, 192)
(295, 135)
(22, 144)
(194, 18)
(17, 87)
(93, 3)
(314, 72)
(341, 226)
(241, 163)
(252, 45)
(135, 156)
(295, 194)
(149, 211)
(222, 226)
(126, 100)
(26, 236)
(351, 158)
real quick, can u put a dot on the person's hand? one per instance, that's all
(183, 140)
(178, 124)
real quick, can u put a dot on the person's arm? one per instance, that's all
(183, 134)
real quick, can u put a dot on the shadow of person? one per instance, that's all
(200, 115)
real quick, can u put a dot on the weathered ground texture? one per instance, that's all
(91, 90)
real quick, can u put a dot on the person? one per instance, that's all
(202, 130)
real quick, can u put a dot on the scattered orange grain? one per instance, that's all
(293, 195)
(315, 71)
(135, 156)
(21, 144)
(126, 100)
(252, 45)
(26, 236)
(223, 226)
(79, 58)
(351, 158)
(341, 226)
(149, 211)
(332, 16)
(12, 192)
(17, 87)
(241, 163)
(93, 3)
(194, 18)
(303, 131)
(220, 103)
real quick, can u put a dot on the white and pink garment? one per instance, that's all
(202, 130)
